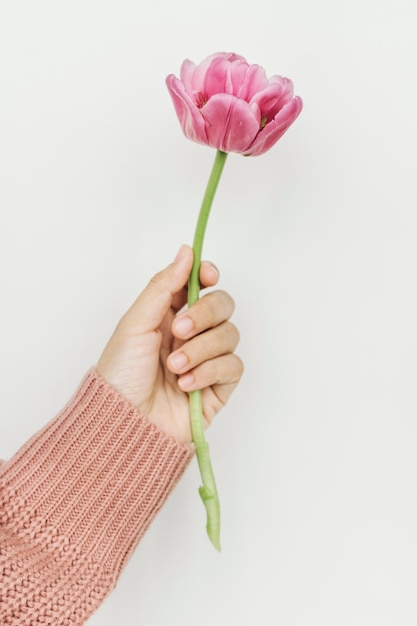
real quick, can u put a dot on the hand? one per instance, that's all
(156, 355)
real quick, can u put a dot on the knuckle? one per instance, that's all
(232, 333)
(215, 373)
(159, 283)
(206, 314)
(214, 307)
(240, 367)
(157, 280)
(227, 298)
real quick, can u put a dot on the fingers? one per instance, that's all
(209, 311)
(168, 289)
(209, 274)
(150, 308)
(226, 369)
(215, 342)
(208, 336)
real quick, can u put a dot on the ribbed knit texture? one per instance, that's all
(74, 503)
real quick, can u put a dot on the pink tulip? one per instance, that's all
(232, 106)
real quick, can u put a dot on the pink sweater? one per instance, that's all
(74, 503)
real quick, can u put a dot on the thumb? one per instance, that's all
(150, 308)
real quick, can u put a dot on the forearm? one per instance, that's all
(75, 501)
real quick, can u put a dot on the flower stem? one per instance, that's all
(208, 491)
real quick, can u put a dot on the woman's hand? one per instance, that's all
(156, 355)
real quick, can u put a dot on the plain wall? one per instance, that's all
(315, 456)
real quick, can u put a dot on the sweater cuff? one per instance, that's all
(94, 477)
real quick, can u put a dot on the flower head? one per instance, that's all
(232, 106)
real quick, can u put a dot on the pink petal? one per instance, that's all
(200, 72)
(230, 124)
(223, 75)
(237, 71)
(271, 99)
(233, 57)
(186, 75)
(188, 114)
(287, 87)
(255, 80)
(216, 78)
(281, 80)
(268, 136)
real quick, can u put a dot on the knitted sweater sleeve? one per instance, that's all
(74, 503)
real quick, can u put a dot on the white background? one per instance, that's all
(315, 455)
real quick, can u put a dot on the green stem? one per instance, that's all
(208, 491)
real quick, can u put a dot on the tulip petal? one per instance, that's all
(189, 115)
(287, 87)
(216, 78)
(273, 98)
(231, 126)
(236, 75)
(199, 76)
(269, 135)
(281, 80)
(186, 75)
(255, 80)
(223, 75)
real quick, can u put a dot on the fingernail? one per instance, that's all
(186, 381)
(214, 269)
(180, 253)
(184, 326)
(178, 360)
